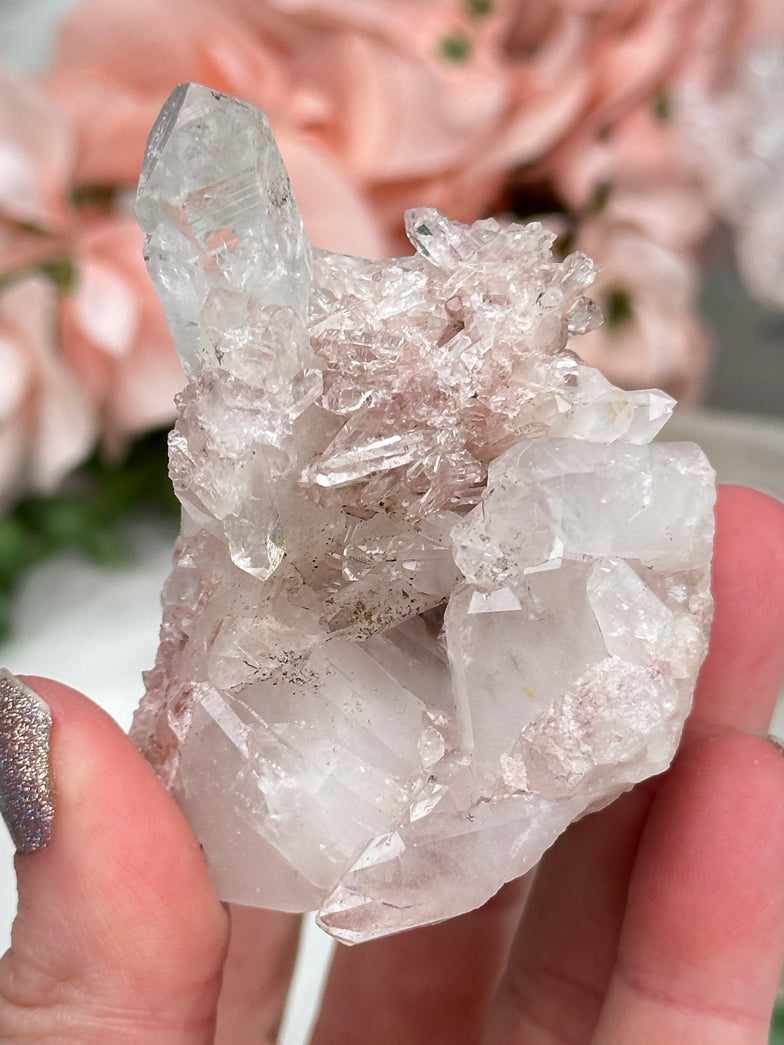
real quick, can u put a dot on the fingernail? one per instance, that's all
(25, 779)
(777, 742)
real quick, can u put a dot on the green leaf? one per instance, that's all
(617, 308)
(600, 197)
(777, 1024)
(62, 271)
(90, 514)
(478, 8)
(456, 47)
(94, 195)
(662, 105)
(5, 614)
(17, 550)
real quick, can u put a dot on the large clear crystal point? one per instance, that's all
(436, 594)
(216, 203)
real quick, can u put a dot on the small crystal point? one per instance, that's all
(437, 594)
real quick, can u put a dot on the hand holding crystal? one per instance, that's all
(660, 918)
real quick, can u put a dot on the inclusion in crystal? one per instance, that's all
(437, 594)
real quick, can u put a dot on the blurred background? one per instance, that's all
(649, 135)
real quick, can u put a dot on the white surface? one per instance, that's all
(95, 629)
(308, 984)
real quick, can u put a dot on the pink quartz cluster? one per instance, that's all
(436, 593)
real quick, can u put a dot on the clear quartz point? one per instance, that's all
(216, 204)
(437, 593)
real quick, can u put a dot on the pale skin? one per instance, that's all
(659, 919)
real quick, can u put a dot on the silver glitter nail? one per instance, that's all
(26, 800)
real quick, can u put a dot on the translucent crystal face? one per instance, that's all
(436, 593)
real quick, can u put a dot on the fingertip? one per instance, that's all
(108, 801)
(735, 504)
(740, 679)
(749, 544)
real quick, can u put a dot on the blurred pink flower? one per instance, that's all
(639, 211)
(632, 56)
(113, 99)
(652, 336)
(100, 320)
(114, 335)
(402, 103)
(36, 156)
(47, 422)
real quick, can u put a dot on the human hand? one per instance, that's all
(658, 919)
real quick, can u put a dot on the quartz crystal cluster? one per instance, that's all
(437, 593)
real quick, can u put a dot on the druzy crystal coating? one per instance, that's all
(437, 593)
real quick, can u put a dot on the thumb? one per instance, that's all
(119, 936)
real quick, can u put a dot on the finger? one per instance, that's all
(118, 936)
(740, 679)
(561, 961)
(564, 950)
(429, 985)
(703, 935)
(256, 976)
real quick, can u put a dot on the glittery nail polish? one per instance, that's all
(25, 780)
